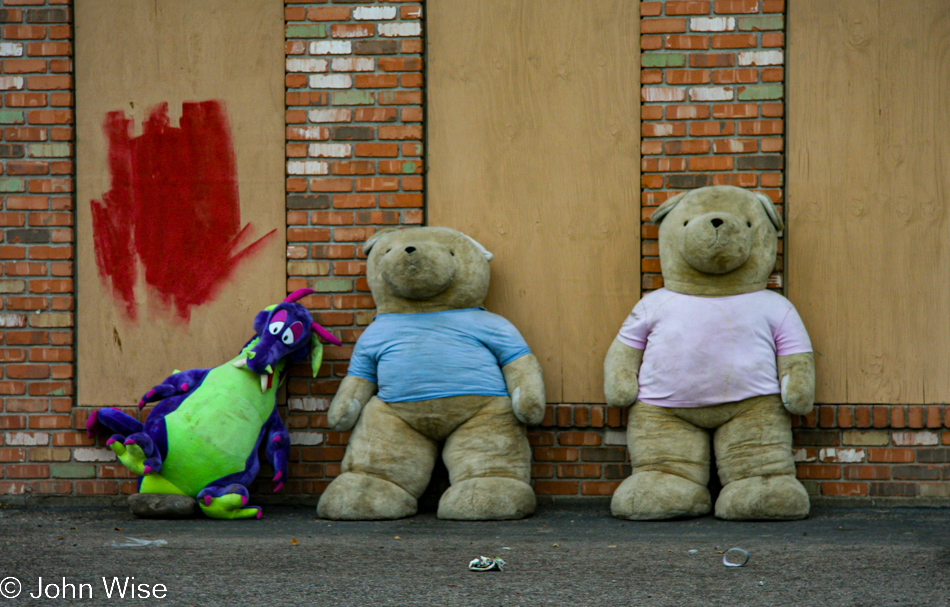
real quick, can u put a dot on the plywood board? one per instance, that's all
(869, 195)
(533, 149)
(180, 226)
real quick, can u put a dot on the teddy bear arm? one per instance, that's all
(621, 370)
(796, 373)
(526, 386)
(351, 397)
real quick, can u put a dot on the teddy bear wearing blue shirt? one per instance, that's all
(434, 368)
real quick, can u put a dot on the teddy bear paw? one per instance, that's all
(347, 417)
(360, 497)
(653, 495)
(795, 399)
(487, 499)
(763, 497)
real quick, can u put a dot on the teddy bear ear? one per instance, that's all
(481, 248)
(665, 208)
(372, 240)
(771, 212)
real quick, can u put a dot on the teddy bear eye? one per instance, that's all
(749, 224)
(389, 249)
(685, 223)
(452, 253)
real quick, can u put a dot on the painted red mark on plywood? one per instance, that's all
(173, 207)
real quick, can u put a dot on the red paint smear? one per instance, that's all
(173, 206)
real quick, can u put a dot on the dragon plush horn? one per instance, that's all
(316, 333)
(325, 335)
(314, 326)
(298, 294)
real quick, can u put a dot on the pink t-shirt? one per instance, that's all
(702, 351)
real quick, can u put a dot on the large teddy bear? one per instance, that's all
(434, 367)
(712, 354)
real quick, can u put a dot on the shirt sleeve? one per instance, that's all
(506, 342)
(791, 336)
(364, 358)
(635, 328)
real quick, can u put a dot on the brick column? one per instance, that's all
(354, 165)
(712, 104)
(36, 185)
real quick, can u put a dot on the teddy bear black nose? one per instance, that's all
(410, 250)
(716, 222)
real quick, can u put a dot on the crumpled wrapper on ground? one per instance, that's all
(486, 563)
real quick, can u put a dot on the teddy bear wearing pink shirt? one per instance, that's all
(712, 356)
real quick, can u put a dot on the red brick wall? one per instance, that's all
(880, 452)
(712, 113)
(36, 320)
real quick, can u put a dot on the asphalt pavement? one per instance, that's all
(564, 555)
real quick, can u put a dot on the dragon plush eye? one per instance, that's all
(292, 334)
(277, 322)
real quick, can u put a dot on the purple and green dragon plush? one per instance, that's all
(202, 438)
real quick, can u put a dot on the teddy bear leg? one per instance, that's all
(754, 458)
(386, 468)
(670, 461)
(489, 463)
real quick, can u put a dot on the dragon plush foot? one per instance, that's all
(227, 502)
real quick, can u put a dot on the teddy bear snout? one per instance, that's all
(716, 243)
(419, 272)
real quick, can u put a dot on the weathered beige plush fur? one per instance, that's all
(752, 438)
(393, 447)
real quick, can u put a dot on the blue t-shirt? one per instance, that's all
(437, 354)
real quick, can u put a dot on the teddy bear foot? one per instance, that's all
(487, 499)
(763, 497)
(653, 495)
(358, 497)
